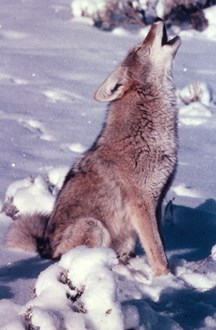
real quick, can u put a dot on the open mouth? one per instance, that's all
(164, 37)
(165, 40)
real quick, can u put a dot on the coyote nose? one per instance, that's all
(158, 19)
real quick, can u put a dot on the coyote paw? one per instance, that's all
(161, 270)
(125, 258)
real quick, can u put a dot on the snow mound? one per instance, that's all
(8, 316)
(90, 12)
(194, 114)
(213, 252)
(28, 196)
(84, 7)
(210, 14)
(77, 147)
(34, 195)
(184, 190)
(78, 293)
(197, 99)
(89, 271)
(196, 92)
(56, 177)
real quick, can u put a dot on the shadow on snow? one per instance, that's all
(190, 233)
(22, 269)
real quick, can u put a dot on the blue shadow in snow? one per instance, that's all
(188, 233)
(21, 269)
(187, 307)
(190, 229)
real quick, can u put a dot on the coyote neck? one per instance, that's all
(146, 108)
(158, 96)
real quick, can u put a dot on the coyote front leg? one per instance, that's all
(145, 223)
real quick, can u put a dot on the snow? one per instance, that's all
(210, 32)
(213, 252)
(183, 190)
(50, 68)
(30, 196)
(91, 8)
(197, 91)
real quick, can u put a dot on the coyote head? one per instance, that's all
(148, 63)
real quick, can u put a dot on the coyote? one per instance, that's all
(114, 192)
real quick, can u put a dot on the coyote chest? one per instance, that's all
(145, 148)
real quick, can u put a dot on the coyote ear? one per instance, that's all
(114, 86)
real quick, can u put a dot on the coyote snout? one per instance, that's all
(113, 193)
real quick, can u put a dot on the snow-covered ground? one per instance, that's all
(50, 66)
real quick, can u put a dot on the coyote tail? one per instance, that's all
(27, 232)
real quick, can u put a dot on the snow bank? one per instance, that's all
(210, 14)
(9, 316)
(196, 92)
(89, 271)
(183, 190)
(197, 98)
(56, 177)
(84, 7)
(34, 195)
(78, 293)
(28, 196)
(88, 289)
